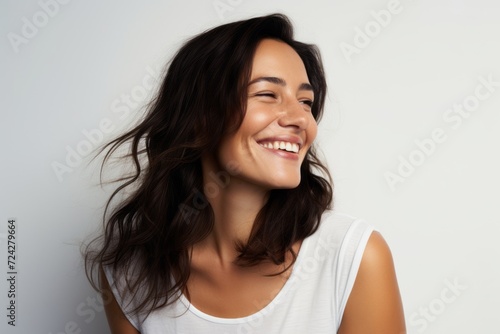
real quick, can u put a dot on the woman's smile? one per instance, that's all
(282, 148)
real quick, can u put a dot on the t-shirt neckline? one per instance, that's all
(262, 312)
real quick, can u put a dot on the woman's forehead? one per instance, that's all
(277, 59)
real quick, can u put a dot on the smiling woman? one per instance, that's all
(229, 227)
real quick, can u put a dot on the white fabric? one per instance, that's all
(311, 301)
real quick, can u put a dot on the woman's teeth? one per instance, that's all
(281, 145)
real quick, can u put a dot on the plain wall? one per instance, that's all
(410, 134)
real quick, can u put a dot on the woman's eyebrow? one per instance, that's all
(281, 82)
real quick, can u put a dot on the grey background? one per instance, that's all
(73, 73)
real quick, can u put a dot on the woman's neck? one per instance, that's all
(235, 204)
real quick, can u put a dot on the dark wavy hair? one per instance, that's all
(147, 238)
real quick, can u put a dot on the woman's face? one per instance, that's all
(278, 127)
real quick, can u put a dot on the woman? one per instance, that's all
(228, 226)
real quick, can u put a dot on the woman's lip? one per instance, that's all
(282, 154)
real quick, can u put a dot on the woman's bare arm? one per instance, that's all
(374, 305)
(117, 321)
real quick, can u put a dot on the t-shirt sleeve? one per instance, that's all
(350, 255)
(117, 285)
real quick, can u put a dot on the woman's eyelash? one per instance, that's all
(266, 94)
(308, 102)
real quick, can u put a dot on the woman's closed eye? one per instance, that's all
(270, 95)
(267, 94)
(307, 102)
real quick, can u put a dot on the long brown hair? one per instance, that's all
(147, 237)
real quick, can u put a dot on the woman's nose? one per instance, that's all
(294, 114)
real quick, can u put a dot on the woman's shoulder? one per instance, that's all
(121, 279)
(340, 226)
(339, 241)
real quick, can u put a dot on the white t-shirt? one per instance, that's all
(311, 301)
